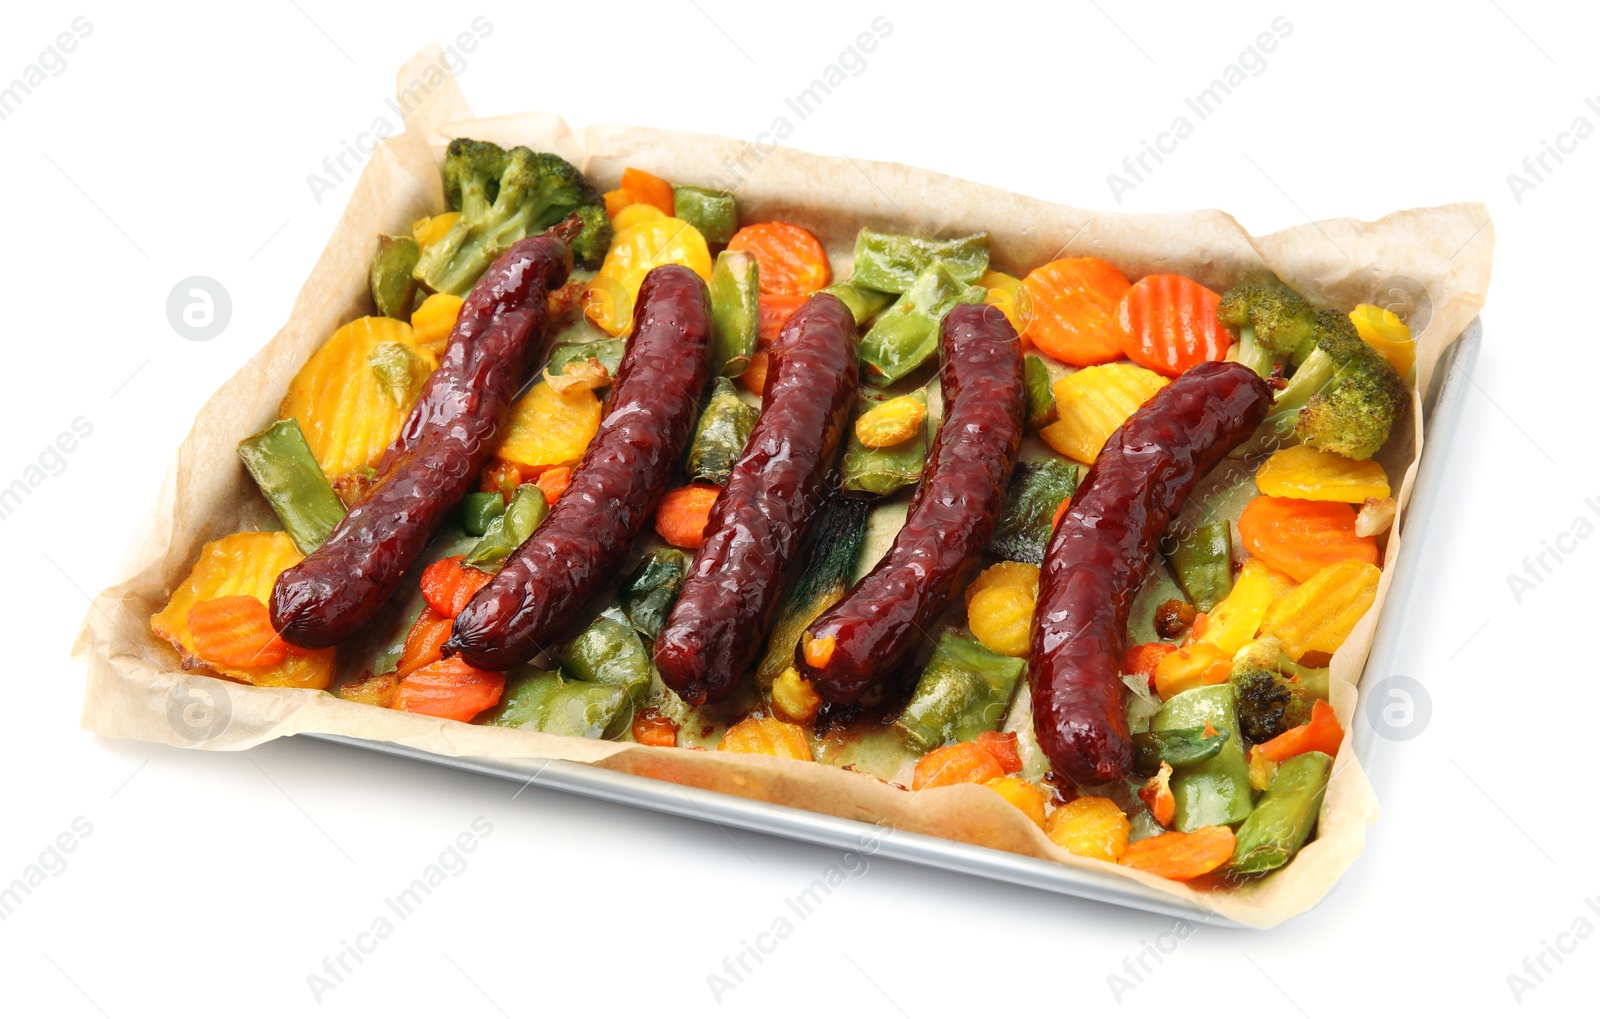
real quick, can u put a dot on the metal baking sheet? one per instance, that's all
(1442, 411)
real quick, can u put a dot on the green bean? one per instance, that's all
(962, 692)
(1281, 822)
(713, 213)
(1215, 790)
(907, 335)
(390, 280)
(893, 262)
(288, 476)
(735, 312)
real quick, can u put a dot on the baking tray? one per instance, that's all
(1442, 413)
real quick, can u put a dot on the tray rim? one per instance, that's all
(1440, 424)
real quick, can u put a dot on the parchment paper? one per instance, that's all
(1439, 256)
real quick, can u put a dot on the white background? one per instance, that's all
(179, 143)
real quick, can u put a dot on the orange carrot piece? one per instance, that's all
(1157, 795)
(1003, 745)
(1075, 302)
(1301, 536)
(955, 764)
(772, 311)
(648, 188)
(681, 518)
(1322, 733)
(755, 376)
(1145, 657)
(448, 585)
(450, 688)
(235, 631)
(1061, 511)
(789, 258)
(502, 476)
(616, 201)
(1181, 856)
(424, 641)
(553, 482)
(653, 730)
(1170, 324)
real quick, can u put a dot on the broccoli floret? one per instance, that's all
(1275, 324)
(1344, 397)
(594, 240)
(1272, 698)
(505, 195)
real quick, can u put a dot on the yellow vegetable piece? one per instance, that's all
(1024, 576)
(1304, 472)
(657, 241)
(767, 736)
(378, 691)
(1025, 796)
(344, 407)
(1009, 295)
(1391, 337)
(429, 229)
(1319, 614)
(1232, 623)
(1093, 403)
(1089, 826)
(551, 429)
(891, 422)
(794, 698)
(433, 321)
(1195, 665)
(634, 214)
(245, 563)
(1002, 619)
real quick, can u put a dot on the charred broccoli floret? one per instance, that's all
(1273, 694)
(1275, 324)
(505, 195)
(1343, 398)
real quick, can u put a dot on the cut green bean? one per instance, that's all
(1202, 562)
(1041, 400)
(607, 352)
(478, 511)
(720, 434)
(525, 512)
(963, 691)
(735, 312)
(1177, 747)
(893, 262)
(907, 335)
(1216, 790)
(863, 302)
(390, 277)
(294, 486)
(713, 213)
(1282, 821)
(549, 702)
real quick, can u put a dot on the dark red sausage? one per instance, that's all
(874, 627)
(1100, 553)
(436, 459)
(540, 596)
(736, 584)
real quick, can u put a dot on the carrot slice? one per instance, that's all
(553, 482)
(1301, 536)
(235, 631)
(755, 376)
(790, 259)
(682, 516)
(648, 188)
(424, 641)
(1181, 856)
(448, 585)
(773, 310)
(1075, 303)
(450, 688)
(955, 764)
(1003, 745)
(1170, 324)
(1322, 733)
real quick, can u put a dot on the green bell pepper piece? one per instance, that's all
(963, 691)
(288, 476)
(1279, 825)
(549, 702)
(713, 213)
(1178, 747)
(478, 511)
(1202, 561)
(1033, 494)
(719, 436)
(863, 302)
(893, 262)
(525, 512)
(886, 470)
(907, 335)
(607, 352)
(1216, 790)
(390, 277)
(1041, 399)
(608, 652)
(648, 593)
(735, 312)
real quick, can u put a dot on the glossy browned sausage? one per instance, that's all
(1101, 551)
(542, 594)
(442, 447)
(873, 628)
(736, 584)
